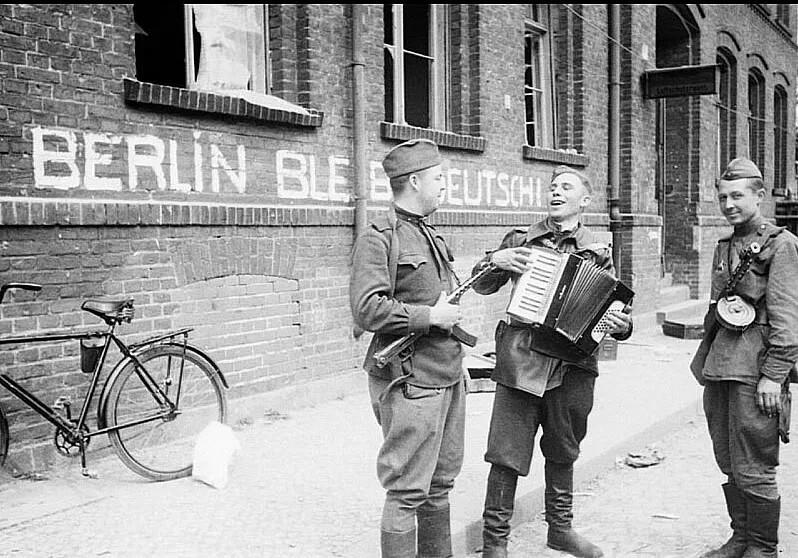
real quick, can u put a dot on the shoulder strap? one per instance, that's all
(393, 250)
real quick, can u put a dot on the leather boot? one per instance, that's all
(762, 527)
(398, 545)
(736, 505)
(434, 533)
(499, 506)
(559, 513)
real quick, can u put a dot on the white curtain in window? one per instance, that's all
(232, 53)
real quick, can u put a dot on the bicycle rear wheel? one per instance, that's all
(3, 437)
(162, 449)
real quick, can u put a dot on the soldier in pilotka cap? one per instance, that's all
(744, 360)
(401, 272)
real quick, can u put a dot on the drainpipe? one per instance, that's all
(359, 128)
(614, 132)
(358, 118)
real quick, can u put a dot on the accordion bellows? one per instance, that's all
(567, 299)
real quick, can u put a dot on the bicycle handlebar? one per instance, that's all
(24, 286)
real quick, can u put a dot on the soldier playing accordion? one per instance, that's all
(535, 389)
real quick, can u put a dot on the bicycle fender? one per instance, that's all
(212, 362)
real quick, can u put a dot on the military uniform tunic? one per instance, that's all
(394, 310)
(769, 346)
(546, 391)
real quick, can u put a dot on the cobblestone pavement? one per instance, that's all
(669, 510)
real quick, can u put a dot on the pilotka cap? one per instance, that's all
(411, 156)
(740, 168)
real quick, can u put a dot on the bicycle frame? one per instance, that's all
(74, 432)
(37, 404)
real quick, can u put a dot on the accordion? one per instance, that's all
(566, 299)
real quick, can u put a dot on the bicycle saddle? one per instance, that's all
(110, 310)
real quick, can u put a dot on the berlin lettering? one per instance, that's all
(68, 160)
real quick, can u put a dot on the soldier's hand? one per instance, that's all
(768, 396)
(443, 314)
(618, 322)
(516, 260)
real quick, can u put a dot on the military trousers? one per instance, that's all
(422, 452)
(744, 440)
(561, 412)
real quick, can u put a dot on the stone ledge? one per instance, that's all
(212, 103)
(389, 130)
(44, 212)
(555, 156)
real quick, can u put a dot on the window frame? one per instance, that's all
(535, 32)
(780, 139)
(438, 94)
(278, 105)
(726, 145)
(756, 117)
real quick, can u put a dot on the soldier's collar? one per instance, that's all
(409, 216)
(580, 234)
(762, 228)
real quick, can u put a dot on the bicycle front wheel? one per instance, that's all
(162, 449)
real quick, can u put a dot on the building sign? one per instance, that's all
(73, 160)
(680, 82)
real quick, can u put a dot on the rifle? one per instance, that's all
(390, 351)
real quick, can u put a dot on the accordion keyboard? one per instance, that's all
(533, 291)
(603, 325)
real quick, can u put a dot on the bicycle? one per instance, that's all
(154, 402)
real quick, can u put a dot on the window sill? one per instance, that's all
(212, 103)
(555, 156)
(389, 130)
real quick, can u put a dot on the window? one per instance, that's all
(780, 120)
(209, 47)
(726, 105)
(416, 91)
(538, 93)
(756, 118)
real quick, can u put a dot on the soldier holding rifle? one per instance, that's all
(401, 274)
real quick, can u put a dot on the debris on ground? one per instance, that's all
(665, 516)
(270, 416)
(650, 456)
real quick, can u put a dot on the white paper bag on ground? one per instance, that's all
(213, 453)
